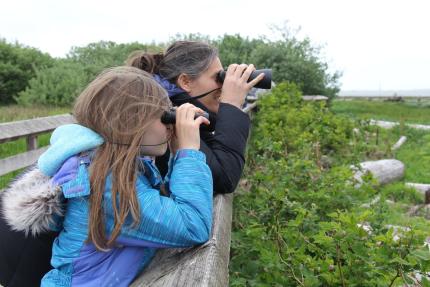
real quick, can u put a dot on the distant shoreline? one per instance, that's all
(385, 93)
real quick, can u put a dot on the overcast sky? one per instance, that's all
(378, 44)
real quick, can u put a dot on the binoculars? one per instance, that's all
(265, 83)
(169, 117)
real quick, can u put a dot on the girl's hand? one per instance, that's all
(236, 86)
(187, 131)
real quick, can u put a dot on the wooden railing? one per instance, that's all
(204, 265)
(30, 129)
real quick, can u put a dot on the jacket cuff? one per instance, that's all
(190, 153)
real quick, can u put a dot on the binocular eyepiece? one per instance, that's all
(265, 83)
(169, 117)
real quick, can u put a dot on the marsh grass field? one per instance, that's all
(409, 111)
(415, 153)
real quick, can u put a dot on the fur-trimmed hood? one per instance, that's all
(34, 201)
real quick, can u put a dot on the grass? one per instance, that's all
(408, 111)
(15, 113)
(415, 153)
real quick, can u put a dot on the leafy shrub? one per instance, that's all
(18, 64)
(298, 222)
(62, 83)
(57, 85)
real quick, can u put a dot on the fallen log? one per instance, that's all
(384, 171)
(399, 143)
(422, 188)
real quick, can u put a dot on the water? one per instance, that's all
(385, 93)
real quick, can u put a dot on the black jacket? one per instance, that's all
(24, 260)
(224, 146)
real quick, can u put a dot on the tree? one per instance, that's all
(97, 56)
(18, 64)
(61, 83)
(291, 60)
(57, 85)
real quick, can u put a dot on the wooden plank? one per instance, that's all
(15, 130)
(205, 265)
(31, 142)
(22, 160)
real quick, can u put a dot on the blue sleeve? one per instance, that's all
(169, 172)
(181, 220)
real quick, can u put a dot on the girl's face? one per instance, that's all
(205, 83)
(155, 139)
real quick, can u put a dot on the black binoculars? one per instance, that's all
(265, 83)
(169, 117)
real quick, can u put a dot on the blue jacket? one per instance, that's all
(182, 220)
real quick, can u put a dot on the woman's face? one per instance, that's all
(155, 139)
(205, 83)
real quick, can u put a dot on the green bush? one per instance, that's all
(97, 56)
(290, 59)
(300, 222)
(57, 85)
(61, 83)
(18, 64)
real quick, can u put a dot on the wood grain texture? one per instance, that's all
(21, 160)
(14, 130)
(204, 265)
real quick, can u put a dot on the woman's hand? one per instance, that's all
(236, 86)
(187, 133)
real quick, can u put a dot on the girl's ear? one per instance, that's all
(185, 82)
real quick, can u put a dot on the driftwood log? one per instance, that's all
(399, 143)
(389, 125)
(384, 171)
(422, 188)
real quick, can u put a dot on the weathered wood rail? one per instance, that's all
(30, 129)
(204, 265)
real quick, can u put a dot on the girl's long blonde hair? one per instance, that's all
(119, 104)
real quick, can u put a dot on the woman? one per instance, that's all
(114, 217)
(188, 71)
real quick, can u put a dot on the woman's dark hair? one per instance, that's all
(189, 57)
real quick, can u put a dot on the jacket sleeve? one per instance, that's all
(181, 220)
(225, 151)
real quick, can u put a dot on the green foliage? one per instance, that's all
(12, 113)
(236, 49)
(18, 64)
(409, 111)
(291, 60)
(97, 56)
(416, 152)
(56, 85)
(300, 222)
(62, 83)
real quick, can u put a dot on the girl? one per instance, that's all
(103, 191)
